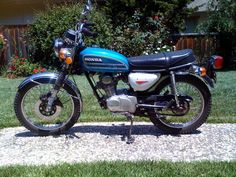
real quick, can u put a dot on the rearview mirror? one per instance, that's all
(87, 8)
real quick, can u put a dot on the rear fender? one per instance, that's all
(206, 79)
(163, 79)
(209, 77)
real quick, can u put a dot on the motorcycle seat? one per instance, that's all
(162, 61)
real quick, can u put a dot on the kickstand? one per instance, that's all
(130, 139)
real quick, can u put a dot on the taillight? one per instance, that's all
(218, 62)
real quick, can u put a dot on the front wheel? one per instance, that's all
(193, 112)
(31, 103)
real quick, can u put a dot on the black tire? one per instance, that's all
(164, 124)
(58, 126)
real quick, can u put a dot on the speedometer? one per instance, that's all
(69, 37)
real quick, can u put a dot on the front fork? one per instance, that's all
(57, 86)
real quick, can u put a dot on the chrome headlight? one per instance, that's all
(64, 53)
(58, 44)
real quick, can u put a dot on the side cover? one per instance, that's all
(103, 60)
(142, 81)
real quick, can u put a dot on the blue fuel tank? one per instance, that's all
(102, 60)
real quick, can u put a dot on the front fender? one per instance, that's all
(39, 78)
(45, 78)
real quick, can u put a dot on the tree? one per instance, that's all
(222, 19)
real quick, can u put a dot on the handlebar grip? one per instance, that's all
(87, 32)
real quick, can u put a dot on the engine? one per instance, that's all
(116, 102)
(108, 84)
(122, 103)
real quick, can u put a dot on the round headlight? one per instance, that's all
(65, 52)
(58, 44)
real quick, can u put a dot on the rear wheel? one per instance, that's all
(192, 112)
(31, 103)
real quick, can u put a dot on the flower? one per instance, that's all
(35, 71)
(164, 47)
(20, 66)
(43, 70)
(12, 68)
(156, 17)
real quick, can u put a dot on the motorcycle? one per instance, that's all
(168, 88)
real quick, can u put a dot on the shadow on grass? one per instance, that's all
(108, 130)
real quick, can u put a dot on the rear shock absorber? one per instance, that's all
(174, 90)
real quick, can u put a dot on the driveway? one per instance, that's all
(89, 142)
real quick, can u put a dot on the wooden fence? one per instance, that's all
(203, 45)
(16, 45)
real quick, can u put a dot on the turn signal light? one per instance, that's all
(68, 60)
(203, 71)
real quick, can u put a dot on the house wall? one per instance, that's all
(19, 12)
(193, 21)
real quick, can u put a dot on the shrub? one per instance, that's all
(145, 27)
(130, 28)
(132, 40)
(3, 41)
(55, 21)
(21, 67)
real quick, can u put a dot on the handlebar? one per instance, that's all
(88, 24)
(84, 29)
(87, 32)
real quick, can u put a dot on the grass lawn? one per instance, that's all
(129, 169)
(223, 110)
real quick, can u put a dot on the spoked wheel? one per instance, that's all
(31, 109)
(193, 110)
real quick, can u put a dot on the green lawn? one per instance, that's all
(224, 98)
(223, 110)
(129, 169)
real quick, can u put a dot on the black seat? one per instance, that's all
(167, 60)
